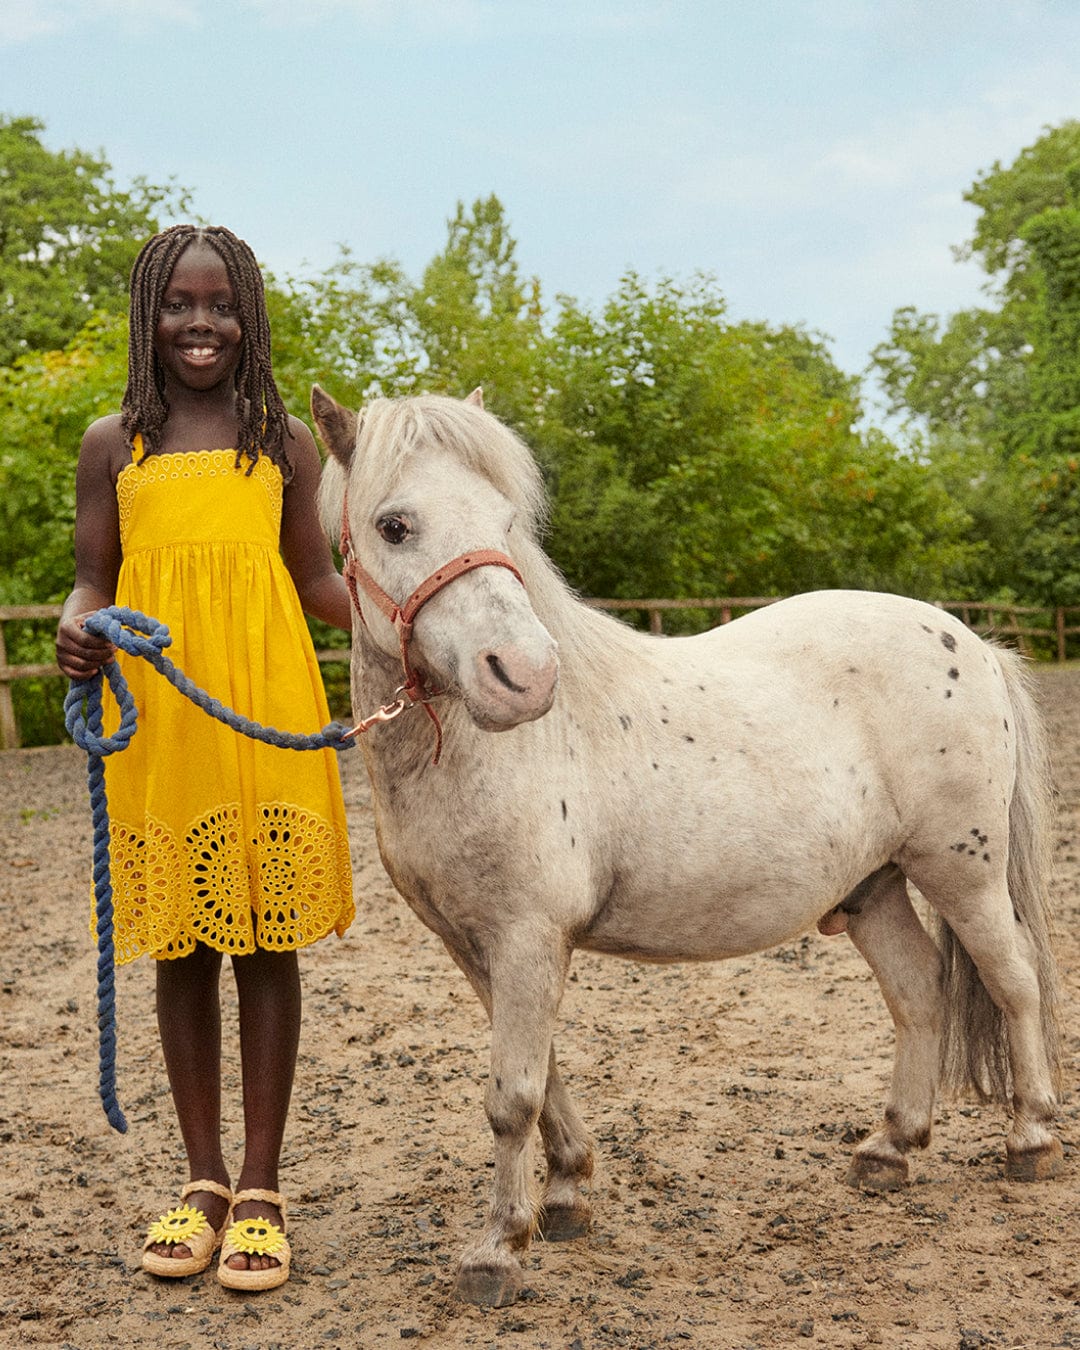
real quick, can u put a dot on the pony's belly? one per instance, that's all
(677, 924)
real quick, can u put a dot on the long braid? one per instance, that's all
(263, 421)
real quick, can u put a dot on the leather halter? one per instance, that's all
(404, 616)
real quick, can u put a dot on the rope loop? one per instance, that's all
(140, 636)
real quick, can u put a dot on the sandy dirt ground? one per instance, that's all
(724, 1100)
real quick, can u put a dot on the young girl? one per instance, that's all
(196, 506)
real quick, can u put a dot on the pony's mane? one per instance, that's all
(393, 430)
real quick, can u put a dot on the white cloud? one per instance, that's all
(24, 21)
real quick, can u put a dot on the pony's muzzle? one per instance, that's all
(512, 684)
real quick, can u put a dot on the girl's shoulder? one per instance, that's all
(105, 445)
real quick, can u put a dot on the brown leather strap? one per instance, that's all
(403, 616)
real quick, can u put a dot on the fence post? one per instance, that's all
(9, 728)
(1059, 619)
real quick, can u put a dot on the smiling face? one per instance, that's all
(199, 337)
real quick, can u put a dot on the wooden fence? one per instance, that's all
(1022, 623)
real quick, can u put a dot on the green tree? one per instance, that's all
(992, 394)
(477, 321)
(971, 375)
(47, 400)
(68, 237)
(690, 456)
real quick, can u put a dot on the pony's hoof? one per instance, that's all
(1035, 1164)
(563, 1223)
(868, 1172)
(489, 1286)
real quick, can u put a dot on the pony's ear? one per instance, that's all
(476, 398)
(337, 425)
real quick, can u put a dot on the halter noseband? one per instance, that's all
(404, 616)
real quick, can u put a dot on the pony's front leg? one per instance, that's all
(564, 1211)
(900, 952)
(527, 970)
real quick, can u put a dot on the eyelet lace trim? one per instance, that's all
(186, 465)
(285, 886)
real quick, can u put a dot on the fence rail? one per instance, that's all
(1006, 621)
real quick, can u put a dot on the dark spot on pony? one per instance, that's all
(948, 642)
(948, 693)
(655, 765)
(925, 628)
(688, 738)
(954, 674)
(624, 722)
(943, 750)
(564, 810)
(836, 703)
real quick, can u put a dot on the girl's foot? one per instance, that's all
(255, 1209)
(255, 1252)
(183, 1240)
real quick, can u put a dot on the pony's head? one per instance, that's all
(427, 480)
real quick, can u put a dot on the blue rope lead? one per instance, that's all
(137, 635)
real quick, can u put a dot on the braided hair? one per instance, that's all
(261, 415)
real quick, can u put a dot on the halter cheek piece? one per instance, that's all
(403, 617)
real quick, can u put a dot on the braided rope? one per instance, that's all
(137, 635)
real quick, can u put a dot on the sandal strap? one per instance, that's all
(213, 1187)
(266, 1196)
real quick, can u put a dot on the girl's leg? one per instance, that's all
(268, 993)
(189, 1024)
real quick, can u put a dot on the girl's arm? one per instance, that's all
(97, 551)
(307, 555)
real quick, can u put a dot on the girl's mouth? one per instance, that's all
(199, 355)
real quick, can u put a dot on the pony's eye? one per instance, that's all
(393, 529)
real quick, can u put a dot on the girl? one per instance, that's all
(219, 844)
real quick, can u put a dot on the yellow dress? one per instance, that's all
(216, 838)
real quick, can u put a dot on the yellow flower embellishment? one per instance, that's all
(179, 1225)
(257, 1237)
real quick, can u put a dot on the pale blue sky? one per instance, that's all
(809, 153)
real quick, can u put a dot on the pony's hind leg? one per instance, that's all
(887, 932)
(1012, 1033)
(564, 1211)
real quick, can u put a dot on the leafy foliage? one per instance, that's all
(995, 392)
(68, 237)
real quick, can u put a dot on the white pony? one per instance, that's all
(682, 799)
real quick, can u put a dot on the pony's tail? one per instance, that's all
(975, 1043)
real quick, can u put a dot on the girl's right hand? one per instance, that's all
(79, 654)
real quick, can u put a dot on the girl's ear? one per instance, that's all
(476, 398)
(337, 426)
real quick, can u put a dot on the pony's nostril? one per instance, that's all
(499, 671)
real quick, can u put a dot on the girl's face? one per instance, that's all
(199, 338)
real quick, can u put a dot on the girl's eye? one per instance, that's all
(393, 529)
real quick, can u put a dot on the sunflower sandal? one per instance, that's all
(255, 1237)
(187, 1225)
